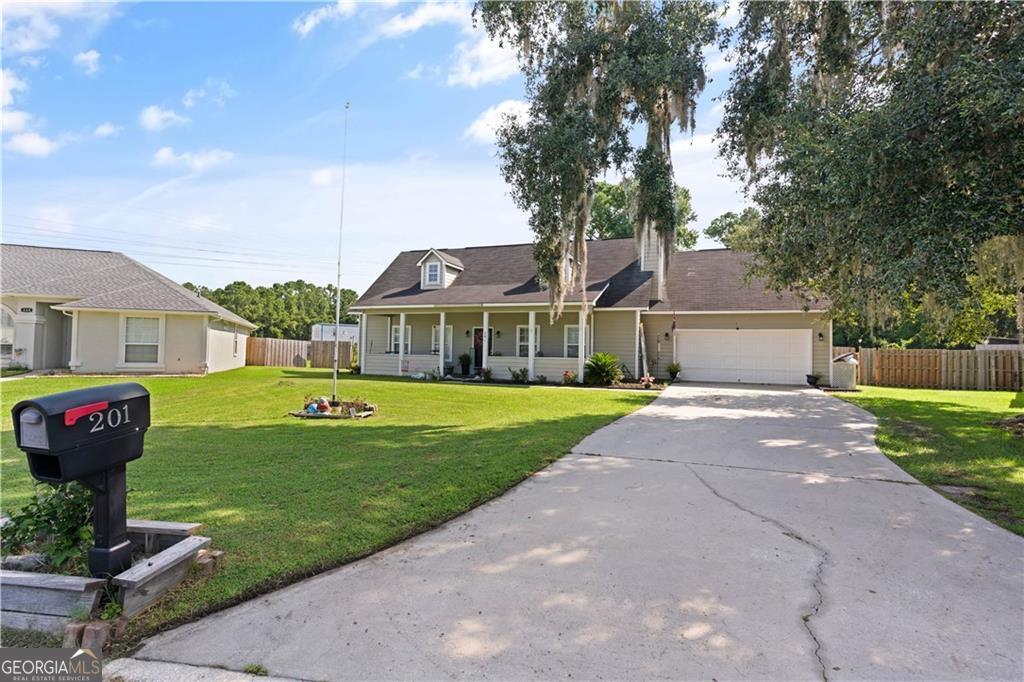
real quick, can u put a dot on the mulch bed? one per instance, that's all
(1015, 425)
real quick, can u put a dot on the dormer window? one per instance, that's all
(438, 269)
(433, 274)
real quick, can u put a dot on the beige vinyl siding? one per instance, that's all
(615, 333)
(97, 341)
(221, 346)
(449, 275)
(659, 348)
(376, 334)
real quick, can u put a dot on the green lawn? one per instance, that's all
(943, 438)
(286, 498)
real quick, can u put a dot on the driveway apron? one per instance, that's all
(721, 532)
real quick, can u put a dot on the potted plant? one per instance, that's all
(673, 370)
(813, 379)
(464, 361)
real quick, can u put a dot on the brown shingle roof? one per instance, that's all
(496, 274)
(715, 279)
(712, 280)
(98, 280)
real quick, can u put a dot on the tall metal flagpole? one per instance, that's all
(337, 290)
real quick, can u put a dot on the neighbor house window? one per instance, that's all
(434, 341)
(572, 341)
(235, 346)
(142, 340)
(433, 273)
(394, 338)
(523, 340)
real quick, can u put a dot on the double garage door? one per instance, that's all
(756, 356)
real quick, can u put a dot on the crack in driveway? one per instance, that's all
(688, 463)
(817, 584)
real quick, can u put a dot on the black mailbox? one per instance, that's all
(87, 435)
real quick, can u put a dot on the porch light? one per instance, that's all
(667, 336)
(467, 333)
(497, 333)
(821, 336)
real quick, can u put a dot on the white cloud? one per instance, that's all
(195, 161)
(34, 26)
(9, 85)
(157, 118)
(15, 121)
(415, 73)
(88, 61)
(106, 130)
(32, 144)
(31, 61)
(307, 21)
(481, 61)
(427, 14)
(697, 166)
(53, 218)
(216, 90)
(325, 177)
(482, 130)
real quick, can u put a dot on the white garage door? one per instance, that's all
(757, 356)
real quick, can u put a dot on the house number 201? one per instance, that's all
(112, 418)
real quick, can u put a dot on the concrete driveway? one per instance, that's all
(720, 532)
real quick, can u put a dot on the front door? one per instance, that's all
(478, 345)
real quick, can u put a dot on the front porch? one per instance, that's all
(404, 342)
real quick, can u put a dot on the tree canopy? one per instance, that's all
(735, 230)
(883, 144)
(285, 310)
(611, 216)
(594, 71)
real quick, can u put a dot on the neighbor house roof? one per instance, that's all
(710, 280)
(98, 280)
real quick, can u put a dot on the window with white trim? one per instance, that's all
(434, 345)
(141, 340)
(571, 345)
(523, 340)
(433, 273)
(395, 331)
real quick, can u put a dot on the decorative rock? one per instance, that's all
(23, 562)
(73, 635)
(120, 627)
(95, 636)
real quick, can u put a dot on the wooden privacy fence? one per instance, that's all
(321, 354)
(276, 352)
(937, 368)
(296, 353)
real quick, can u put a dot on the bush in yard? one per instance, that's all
(57, 522)
(602, 369)
(519, 376)
(487, 374)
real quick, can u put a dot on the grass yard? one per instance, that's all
(286, 498)
(943, 438)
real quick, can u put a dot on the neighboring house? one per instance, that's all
(324, 331)
(999, 343)
(100, 311)
(703, 314)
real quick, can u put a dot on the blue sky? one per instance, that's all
(205, 139)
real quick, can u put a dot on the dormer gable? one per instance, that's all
(438, 269)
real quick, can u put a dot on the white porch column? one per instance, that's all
(531, 340)
(440, 345)
(73, 362)
(581, 360)
(636, 346)
(487, 339)
(362, 342)
(401, 342)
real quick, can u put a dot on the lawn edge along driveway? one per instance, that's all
(288, 498)
(945, 438)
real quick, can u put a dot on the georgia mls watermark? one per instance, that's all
(50, 665)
